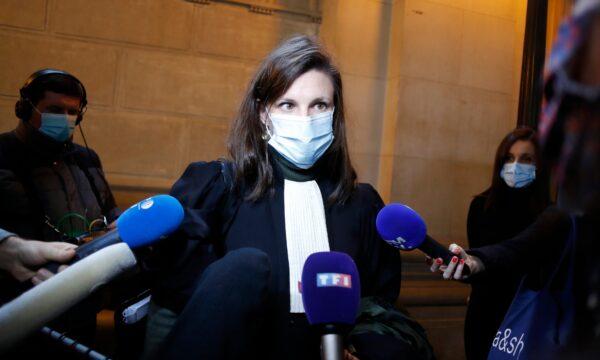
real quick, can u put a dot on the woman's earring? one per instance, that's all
(266, 136)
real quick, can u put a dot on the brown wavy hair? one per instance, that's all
(540, 186)
(246, 143)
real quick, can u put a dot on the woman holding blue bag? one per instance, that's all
(517, 195)
(556, 311)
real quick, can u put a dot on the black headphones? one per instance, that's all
(24, 107)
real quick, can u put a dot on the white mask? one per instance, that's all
(302, 140)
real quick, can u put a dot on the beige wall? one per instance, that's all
(456, 90)
(164, 77)
(431, 87)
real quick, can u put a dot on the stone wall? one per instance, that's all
(431, 86)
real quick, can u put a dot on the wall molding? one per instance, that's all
(259, 7)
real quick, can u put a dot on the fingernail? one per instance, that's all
(455, 259)
(439, 261)
(462, 261)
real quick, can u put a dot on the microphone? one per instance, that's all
(404, 229)
(141, 225)
(48, 300)
(95, 264)
(331, 295)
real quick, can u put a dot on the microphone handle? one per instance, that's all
(332, 347)
(436, 250)
(87, 249)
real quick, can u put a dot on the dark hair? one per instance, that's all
(53, 80)
(246, 144)
(540, 186)
(58, 83)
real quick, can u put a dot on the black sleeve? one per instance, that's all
(177, 261)
(477, 236)
(385, 266)
(201, 191)
(531, 247)
(15, 204)
(474, 222)
(112, 211)
(95, 174)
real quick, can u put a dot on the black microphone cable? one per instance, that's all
(73, 344)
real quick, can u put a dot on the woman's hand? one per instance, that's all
(454, 270)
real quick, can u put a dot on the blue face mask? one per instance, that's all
(302, 140)
(58, 126)
(517, 175)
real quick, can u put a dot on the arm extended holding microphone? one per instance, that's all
(141, 225)
(94, 264)
(403, 228)
(56, 295)
(110, 238)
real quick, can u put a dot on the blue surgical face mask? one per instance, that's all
(517, 175)
(57, 126)
(302, 140)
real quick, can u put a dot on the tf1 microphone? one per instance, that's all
(331, 296)
(404, 229)
(141, 225)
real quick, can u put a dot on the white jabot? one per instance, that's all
(305, 231)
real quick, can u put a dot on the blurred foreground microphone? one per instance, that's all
(47, 301)
(141, 225)
(404, 229)
(331, 295)
(97, 263)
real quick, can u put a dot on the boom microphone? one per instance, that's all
(95, 264)
(404, 229)
(141, 225)
(331, 296)
(48, 300)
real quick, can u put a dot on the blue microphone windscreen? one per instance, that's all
(401, 226)
(149, 220)
(330, 288)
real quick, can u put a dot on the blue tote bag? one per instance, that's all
(539, 321)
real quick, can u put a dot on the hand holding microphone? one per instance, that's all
(455, 269)
(404, 229)
(95, 264)
(141, 225)
(20, 257)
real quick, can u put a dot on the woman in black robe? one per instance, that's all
(227, 285)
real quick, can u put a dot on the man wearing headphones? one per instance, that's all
(51, 188)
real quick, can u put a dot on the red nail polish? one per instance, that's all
(454, 259)
(462, 261)
(439, 261)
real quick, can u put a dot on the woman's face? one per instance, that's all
(310, 94)
(522, 151)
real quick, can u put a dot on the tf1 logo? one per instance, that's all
(334, 280)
